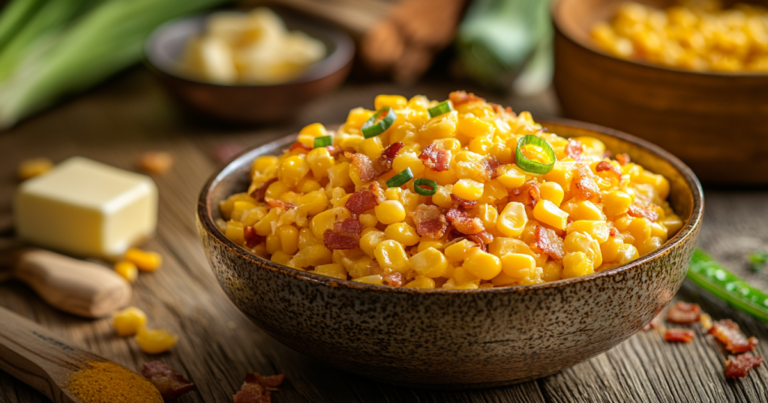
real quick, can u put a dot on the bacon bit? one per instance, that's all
(463, 222)
(549, 242)
(364, 166)
(727, 331)
(706, 321)
(170, 384)
(345, 234)
(678, 335)
(644, 212)
(738, 366)
(384, 163)
(333, 150)
(584, 186)
(362, 201)
(482, 238)
(280, 204)
(461, 97)
(653, 324)
(458, 201)
(574, 149)
(429, 221)
(394, 279)
(684, 313)
(623, 159)
(529, 193)
(491, 168)
(301, 147)
(251, 238)
(435, 158)
(256, 389)
(613, 232)
(607, 166)
(261, 191)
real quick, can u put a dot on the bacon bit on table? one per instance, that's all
(300, 147)
(156, 162)
(684, 313)
(584, 186)
(738, 366)
(345, 234)
(608, 166)
(170, 384)
(251, 238)
(393, 279)
(435, 158)
(491, 168)
(280, 204)
(261, 191)
(574, 149)
(461, 97)
(529, 193)
(623, 159)
(429, 221)
(549, 242)
(458, 201)
(362, 200)
(463, 222)
(257, 388)
(727, 331)
(653, 324)
(678, 335)
(706, 321)
(643, 212)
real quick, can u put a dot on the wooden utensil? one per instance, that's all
(71, 285)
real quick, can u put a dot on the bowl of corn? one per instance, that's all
(452, 244)
(688, 76)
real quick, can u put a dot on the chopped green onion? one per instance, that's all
(323, 141)
(400, 179)
(758, 260)
(534, 167)
(441, 108)
(425, 187)
(373, 126)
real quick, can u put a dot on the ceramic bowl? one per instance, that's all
(715, 122)
(241, 103)
(455, 339)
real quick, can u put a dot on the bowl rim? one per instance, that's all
(556, 12)
(333, 62)
(690, 227)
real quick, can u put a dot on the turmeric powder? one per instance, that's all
(107, 382)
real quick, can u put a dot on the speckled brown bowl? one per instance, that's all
(455, 339)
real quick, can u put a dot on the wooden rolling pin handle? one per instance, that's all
(75, 286)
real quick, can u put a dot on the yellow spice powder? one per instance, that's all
(106, 382)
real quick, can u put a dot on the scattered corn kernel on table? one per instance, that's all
(119, 121)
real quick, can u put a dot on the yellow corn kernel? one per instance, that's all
(307, 185)
(391, 255)
(339, 175)
(462, 276)
(289, 238)
(264, 226)
(599, 230)
(372, 147)
(155, 341)
(326, 220)
(418, 102)
(616, 203)
(289, 197)
(314, 130)
(473, 127)
(611, 248)
(273, 243)
(307, 239)
(649, 245)
(576, 264)
(393, 101)
(500, 246)
(458, 251)
(314, 255)
(145, 260)
(253, 215)
(488, 214)
(375, 279)
(410, 200)
(393, 193)
(370, 239)
(548, 213)
(627, 253)
(427, 243)
(281, 257)
(592, 146)
(368, 220)
(659, 183)
(443, 178)
(129, 321)
(502, 280)
(313, 202)
(553, 192)
(275, 190)
(264, 164)
(421, 282)
(390, 212)
(332, 270)
(640, 229)
(493, 192)
(672, 223)
(583, 210)
(350, 142)
(403, 233)
(357, 117)
(228, 205)
(578, 242)
(658, 230)
(440, 127)
(442, 197)
(430, 263)
(127, 270)
(293, 169)
(552, 271)
(480, 145)
(320, 161)
(517, 265)
(405, 160)
(468, 189)
(562, 174)
(512, 178)
(512, 219)
(482, 265)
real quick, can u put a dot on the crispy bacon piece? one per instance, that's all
(261, 191)
(394, 279)
(280, 204)
(251, 238)
(333, 150)
(549, 242)
(678, 336)
(300, 147)
(364, 166)
(170, 384)
(435, 158)
(463, 222)
(607, 166)
(384, 163)
(345, 234)
(738, 366)
(529, 193)
(644, 212)
(500, 109)
(684, 313)
(623, 159)
(481, 238)
(613, 231)
(727, 331)
(584, 186)
(574, 149)
(362, 201)
(653, 324)
(458, 201)
(461, 97)
(429, 221)
(257, 388)
(491, 168)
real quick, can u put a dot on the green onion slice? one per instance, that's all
(323, 141)
(425, 187)
(375, 126)
(534, 167)
(400, 179)
(441, 108)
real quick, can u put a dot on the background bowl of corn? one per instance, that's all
(703, 101)
(455, 338)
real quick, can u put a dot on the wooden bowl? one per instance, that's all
(242, 103)
(455, 338)
(715, 122)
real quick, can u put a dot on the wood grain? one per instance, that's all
(218, 345)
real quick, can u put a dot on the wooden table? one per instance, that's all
(218, 345)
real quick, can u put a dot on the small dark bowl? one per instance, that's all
(454, 339)
(242, 103)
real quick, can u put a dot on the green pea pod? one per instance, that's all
(711, 276)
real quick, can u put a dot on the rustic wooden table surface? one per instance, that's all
(131, 114)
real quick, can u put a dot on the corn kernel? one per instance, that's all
(144, 260)
(473, 127)
(578, 242)
(627, 253)
(263, 227)
(313, 202)
(320, 161)
(480, 145)
(517, 265)
(552, 271)
(442, 197)
(155, 341)
(273, 243)
(616, 203)
(502, 280)
(393, 101)
(548, 213)
(306, 238)
(228, 205)
(458, 251)
(599, 230)
(672, 223)
(405, 160)
(372, 147)
(390, 212)
(289, 238)
(391, 255)
(357, 117)
(370, 239)
(640, 229)
(427, 243)
(293, 169)
(512, 219)
(576, 264)
(468, 189)
(332, 270)
(649, 245)
(493, 192)
(553, 192)
(611, 248)
(421, 282)
(339, 175)
(368, 220)
(583, 210)
(440, 127)
(393, 193)
(463, 276)
(482, 265)
(562, 174)
(430, 263)
(127, 270)
(281, 257)
(326, 220)
(129, 321)
(512, 178)
(403, 233)
(488, 214)
(375, 279)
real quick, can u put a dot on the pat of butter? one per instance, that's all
(86, 208)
